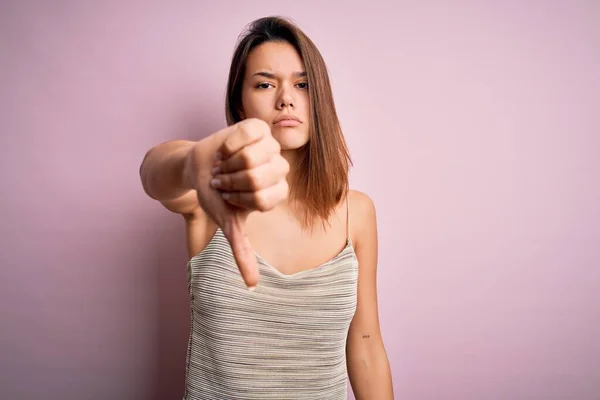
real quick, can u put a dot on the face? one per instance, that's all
(275, 89)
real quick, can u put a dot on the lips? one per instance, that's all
(287, 120)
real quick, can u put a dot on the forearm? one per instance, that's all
(168, 169)
(370, 376)
(163, 170)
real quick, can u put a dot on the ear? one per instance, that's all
(241, 113)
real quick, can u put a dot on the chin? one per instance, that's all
(291, 147)
(290, 139)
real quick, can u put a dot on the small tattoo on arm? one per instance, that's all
(366, 336)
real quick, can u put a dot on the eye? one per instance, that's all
(263, 85)
(303, 85)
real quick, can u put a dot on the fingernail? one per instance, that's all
(251, 288)
(225, 195)
(216, 170)
(215, 183)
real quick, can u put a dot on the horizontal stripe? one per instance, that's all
(284, 340)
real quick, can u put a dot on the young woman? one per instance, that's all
(283, 300)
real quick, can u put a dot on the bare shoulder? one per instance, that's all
(362, 207)
(363, 219)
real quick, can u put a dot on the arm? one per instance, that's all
(367, 362)
(162, 169)
(220, 179)
(165, 171)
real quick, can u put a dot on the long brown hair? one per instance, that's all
(321, 181)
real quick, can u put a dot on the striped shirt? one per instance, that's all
(284, 340)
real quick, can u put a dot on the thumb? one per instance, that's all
(242, 250)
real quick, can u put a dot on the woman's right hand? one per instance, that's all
(246, 174)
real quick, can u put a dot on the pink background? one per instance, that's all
(473, 126)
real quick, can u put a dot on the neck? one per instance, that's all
(289, 207)
(291, 157)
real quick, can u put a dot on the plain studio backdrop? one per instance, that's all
(473, 126)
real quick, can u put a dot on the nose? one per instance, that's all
(285, 99)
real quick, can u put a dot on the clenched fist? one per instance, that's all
(248, 174)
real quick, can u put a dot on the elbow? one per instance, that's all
(145, 175)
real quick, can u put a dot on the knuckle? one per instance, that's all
(225, 181)
(224, 167)
(259, 128)
(245, 132)
(262, 202)
(284, 190)
(260, 125)
(253, 127)
(254, 180)
(248, 158)
(247, 121)
(228, 147)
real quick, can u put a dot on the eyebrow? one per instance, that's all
(271, 75)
